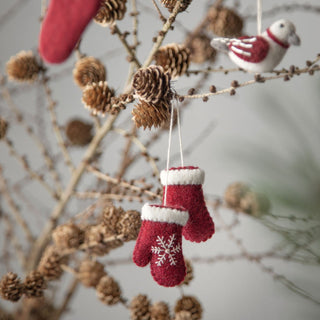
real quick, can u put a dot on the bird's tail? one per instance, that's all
(220, 44)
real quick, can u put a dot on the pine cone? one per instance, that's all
(3, 128)
(90, 272)
(79, 132)
(68, 236)
(108, 291)
(97, 238)
(110, 11)
(160, 311)
(190, 304)
(174, 58)
(11, 287)
(183, 315)
(152, 85)
(34, 284)
(140, 308)
(234, 193)
(224, 22)
(189, 273)
(23, 67)
(50, 263)
(97, 98)
(254, 204)
(148, 115)
(129, 225)
(88, 70)
(111, 217)
(170, 4)
(200, 48)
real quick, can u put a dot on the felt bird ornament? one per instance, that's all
(260, 53)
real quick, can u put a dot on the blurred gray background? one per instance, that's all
(247, 127)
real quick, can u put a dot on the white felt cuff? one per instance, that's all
(182, 176)
(164, 214)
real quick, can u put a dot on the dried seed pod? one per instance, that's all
(23, 67)
(110, 218)
(200, 48)
(108, 291)
(78, 132)
(99, 240)
(11, 287)
(90, 272)
(50, 263)
(97, 98)
(159, 311)
(129, 225)
(140, 308)
(3, 128)
(110, 11)
(234, 193)
(148, 115)
(190, 304)
(183, 315)
(152, 84)
(189, 273)
(68, 236)
(174, 58)
(255, 204)
(34, 284)
(170, 4)
(88, 70)
(224, 22)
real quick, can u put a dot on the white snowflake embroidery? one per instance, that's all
(166, 249)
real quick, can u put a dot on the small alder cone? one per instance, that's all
(200, 48)
(234, 193)
(189, 273)
(159, 311)
(174, 58)
(108, 291)
(170, 4)
(140, 308)
(23, 67)
(152, 85)
(50, 263)
(68, 236)
(34, 285)
(88, 70)
(129, 225)
(11, 287)
(90, 272)
(148, 115)
(224, 22)
(110, 218)
(79, 133)
(3, 128)
(183, 315)
(110, 11)
(100, 241)
(189, 304)
(255, 204)
(97, 98)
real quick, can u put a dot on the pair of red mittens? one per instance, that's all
(185, 213)
(62, 27)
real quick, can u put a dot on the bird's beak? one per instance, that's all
(294, 39)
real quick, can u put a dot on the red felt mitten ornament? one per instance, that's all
(62, 27)
(159, 243)
(183, 187)
(260, 53)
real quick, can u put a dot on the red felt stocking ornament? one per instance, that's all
(183, 187)
(159, 243)
(62, 27)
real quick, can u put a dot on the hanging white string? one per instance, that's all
(259, 16)
(168, 155)
(179, 132)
